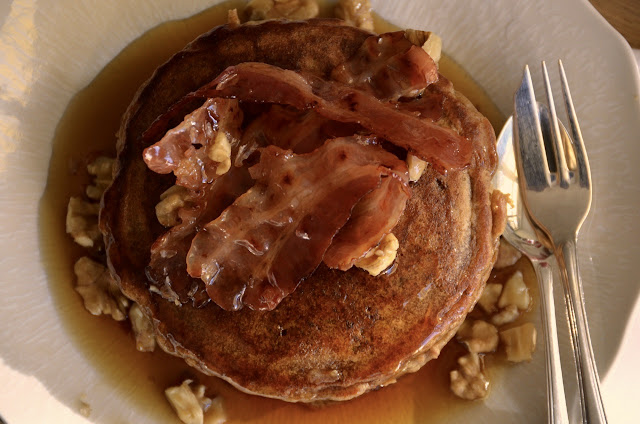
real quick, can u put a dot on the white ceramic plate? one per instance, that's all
(51, 50)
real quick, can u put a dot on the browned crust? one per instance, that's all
(340, 334)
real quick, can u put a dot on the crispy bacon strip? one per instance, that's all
(300, 131)
(260, 82)
(189, 150)
(389, 66)
(372, 218)
(167, 269)
(276, 234)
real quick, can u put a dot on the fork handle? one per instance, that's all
(556, 402)
(588, 381)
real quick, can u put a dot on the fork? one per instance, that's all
(520, 234)
(555, 184)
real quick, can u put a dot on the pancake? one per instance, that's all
(340, 334)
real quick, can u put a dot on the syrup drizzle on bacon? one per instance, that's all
(388, 66)
(373, 217)
(260, 82)
(273, 236)
(167, 268)
(300, 131)
(186, 150)
(313, 200)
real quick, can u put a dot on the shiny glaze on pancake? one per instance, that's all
(341, 333)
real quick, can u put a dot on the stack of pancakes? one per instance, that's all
(340, 334)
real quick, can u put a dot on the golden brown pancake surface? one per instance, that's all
(339, 334)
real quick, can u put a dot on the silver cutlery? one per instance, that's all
(520, 234)
(555, 184)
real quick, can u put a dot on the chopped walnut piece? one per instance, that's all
(98, 289)
(515, 292)
(478, 335)
(171, 201)
(82, 215)
(505, 316)
(221, 152)
(233, 20)
(142, 327)
(190, 403)
(102, 170)
(519, 342)
(430, 42)
(82, 222)
(381, 257)
(356, 13)
(469, 382)
(258, 10)
(416, 167)
(489, 297)
(507, 255)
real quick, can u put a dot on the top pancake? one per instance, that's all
(339, 334)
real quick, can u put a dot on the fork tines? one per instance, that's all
(565, 157)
